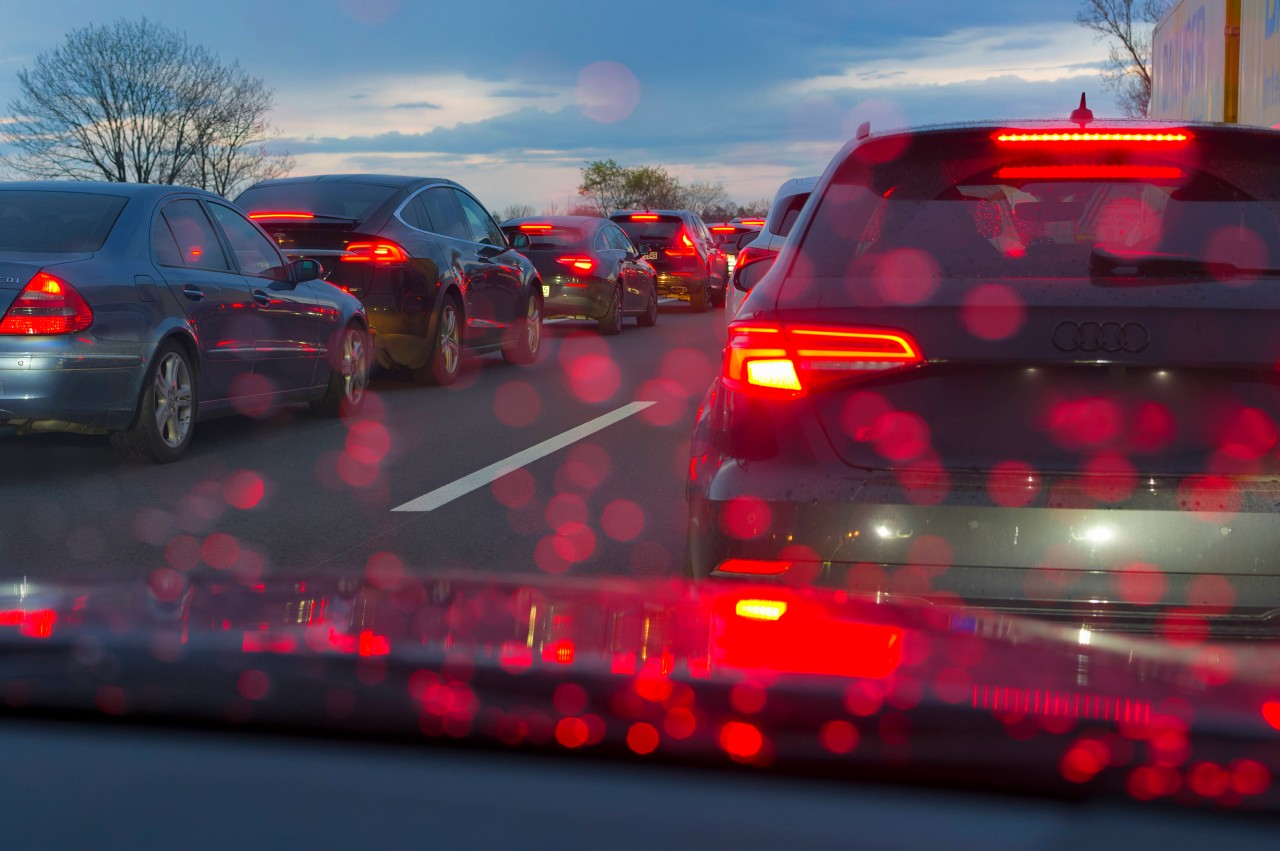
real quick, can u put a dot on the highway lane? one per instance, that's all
(291, 493)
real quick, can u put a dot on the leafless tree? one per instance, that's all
(515, 211)
(135, 102)
(707, 199)
(1126, 26)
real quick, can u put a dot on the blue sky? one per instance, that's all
(511, 98)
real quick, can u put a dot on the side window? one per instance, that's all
(420, 213)
(602, 242)
(255, 254)
(166, 247)
(444, 213)
(482, 227)
(619, 239)
(197, 243)
(413, 216)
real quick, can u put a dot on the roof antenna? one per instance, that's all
(1082, 115)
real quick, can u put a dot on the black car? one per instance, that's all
(431, 266)
(589, 269)
(136, 310)
(690, 265)
(1031, 367)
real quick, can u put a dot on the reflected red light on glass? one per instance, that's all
(560, 652)
(1061, 704)
(263, 642)
(33, 623)
(1084, 760)
(642, 738)
(741, 740)
(572, 732)
(369, 643)
(1208, 780)
(274, 215)
(514, 656)
(379, 253)
(623, 663)
(1249, 777)
(754, 567)
(1088, 172)
(46, 305)
(805, 639)
(1271, 713)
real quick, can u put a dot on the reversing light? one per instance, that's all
(46, 306)
(1089, 172)
(1016, 137)
(274, 215)
(380, 253)
(760, 610)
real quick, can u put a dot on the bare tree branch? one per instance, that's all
(1127, 26)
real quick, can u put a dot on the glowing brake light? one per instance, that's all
(46, 305)
(683, 247)
(1089, 172)
(282, 215)
(535, 228)
(380, 253)
(582, 264)
(723, 229)
(759, 223)
(643, 217)
(1016, 137)
(787, 361)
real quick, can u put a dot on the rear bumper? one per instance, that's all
(591, 301)
(681, 284)
(866, 532)
(52, 382)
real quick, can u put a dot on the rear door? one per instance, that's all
(635, 285)
(290, 337)
(214, 296)
(494, 278)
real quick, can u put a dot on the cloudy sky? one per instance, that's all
(511, 98)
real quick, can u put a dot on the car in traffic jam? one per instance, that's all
(589, 270)
(690, 265)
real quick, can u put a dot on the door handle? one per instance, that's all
(261, 298)
(193, 292)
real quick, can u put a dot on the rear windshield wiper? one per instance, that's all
(1103, 261)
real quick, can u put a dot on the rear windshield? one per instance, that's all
(1044, 220)
(553, 237)
(342, 199)
(729, 237)
(661, 232)
(56, 222)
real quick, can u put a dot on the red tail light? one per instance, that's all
(380, 253)
(723, 229)
(753, 222)
(751, 254)
(580, 264)
(535, 228)
(643, 217)
(274, 215)
(1174, 137)
(683, 246)
(787, 361)
(47, 305)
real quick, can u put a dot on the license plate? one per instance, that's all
(652, 255)
(546, 291)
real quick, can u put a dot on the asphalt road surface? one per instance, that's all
(572, 466)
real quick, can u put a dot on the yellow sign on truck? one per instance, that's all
(1217, 60)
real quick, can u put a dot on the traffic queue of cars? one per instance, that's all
(137, 311)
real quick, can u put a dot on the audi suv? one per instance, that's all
(1028, 366)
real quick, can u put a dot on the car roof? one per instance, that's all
(399, 181)
(103, 187)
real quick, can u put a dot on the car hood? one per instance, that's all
(719, 673)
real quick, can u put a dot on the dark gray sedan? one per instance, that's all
(137, 310)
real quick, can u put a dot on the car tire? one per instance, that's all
(526, 340)
(445, 361)
(717, 299)
(163, 427)
(698, 301)
(611, 323)
(650, 316)
(348, 375)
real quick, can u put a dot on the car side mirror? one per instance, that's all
(746, 277)
(642, 250)
(305, 269)
(488, 252)
(520, 240)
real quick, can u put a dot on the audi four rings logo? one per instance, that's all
(1110, 337)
